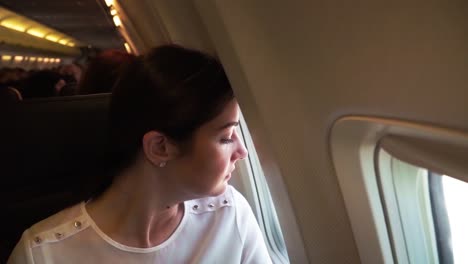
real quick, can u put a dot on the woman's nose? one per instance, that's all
(242, 151)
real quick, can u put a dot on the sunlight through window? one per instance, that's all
(456, 195)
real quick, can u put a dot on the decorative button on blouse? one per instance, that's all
(77, 224)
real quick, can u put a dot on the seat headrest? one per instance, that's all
(9, 95)
(50, 149)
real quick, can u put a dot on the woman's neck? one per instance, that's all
(137, 210)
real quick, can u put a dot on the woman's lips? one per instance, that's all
(230, 173)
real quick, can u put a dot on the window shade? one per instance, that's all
(441, 157)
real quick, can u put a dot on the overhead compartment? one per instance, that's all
(19, 32)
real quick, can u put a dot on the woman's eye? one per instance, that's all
(226, 141)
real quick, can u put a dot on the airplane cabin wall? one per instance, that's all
(183, 24)
(159, 22)
(143, 25)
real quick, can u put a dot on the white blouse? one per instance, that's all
(218, 229)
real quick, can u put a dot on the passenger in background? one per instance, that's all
(44, 83)
(173, 118)
(72, 72)
(103, 71)
(12, 77)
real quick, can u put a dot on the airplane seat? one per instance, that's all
(52, 153)
(69, 89)
(9, 95)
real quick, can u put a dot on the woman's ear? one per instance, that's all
(158, 149)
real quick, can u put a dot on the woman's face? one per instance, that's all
(216, 146)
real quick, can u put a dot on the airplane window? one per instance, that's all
(257, 193)
(425, 212)
(455, 193)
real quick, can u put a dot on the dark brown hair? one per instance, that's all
(172, 90)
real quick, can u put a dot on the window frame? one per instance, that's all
(406, 199)
(440, 216)
(255, 188)
(353, 142)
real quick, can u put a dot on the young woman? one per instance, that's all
(173, 119)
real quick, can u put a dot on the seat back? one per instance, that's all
(51, 152)
(9, 95)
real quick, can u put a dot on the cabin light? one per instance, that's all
(109, 2)
(40, 59)
(35, 33)
(52, 38)
(113, 12)
(117, 21)
(127, 47)
(63, 41)
(57, 60)
(32, 58)
(6, 57)
(71, 44)
(46, 60)
(19, 58)
(13, 25)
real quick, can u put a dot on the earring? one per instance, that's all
(162, 164)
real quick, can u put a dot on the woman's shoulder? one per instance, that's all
(58, 226)
(231, 198)
(52, 229)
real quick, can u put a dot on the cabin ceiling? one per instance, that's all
(86, 20)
